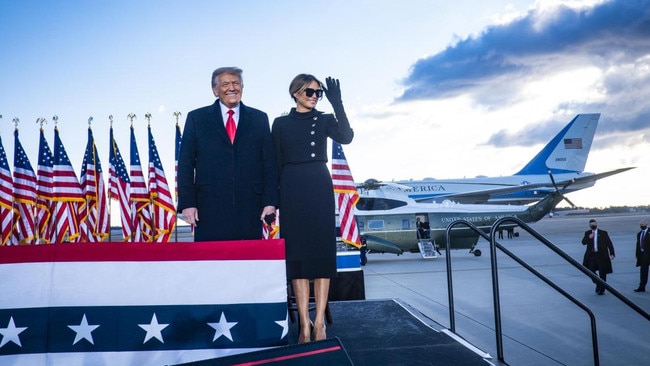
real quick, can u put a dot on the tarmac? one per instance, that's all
(540, 326)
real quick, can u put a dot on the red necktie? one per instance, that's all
(230, 126)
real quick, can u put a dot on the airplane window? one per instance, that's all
(374, 204)
(375, 224)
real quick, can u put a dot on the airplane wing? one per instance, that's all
(595, 177)
(484, 195)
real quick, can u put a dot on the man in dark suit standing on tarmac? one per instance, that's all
(643, 254)
(599, 253)
(227, 175)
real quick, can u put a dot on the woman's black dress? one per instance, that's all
(307, 217)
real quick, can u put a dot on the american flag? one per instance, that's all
(67, 194)
(7, 213)
(24, 192)
(164, 212)
(120, 187)
(45, 192)
(94, 213)
(573, 143)
(140, 201)
(346, 196)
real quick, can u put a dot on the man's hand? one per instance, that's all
(191, 215)
(267, 211)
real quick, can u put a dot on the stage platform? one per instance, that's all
(368, 333)
(390, 332)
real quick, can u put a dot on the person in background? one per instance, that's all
(420, 227)
(642, 255)
(599, 252)
(227, 177)
(307, 195)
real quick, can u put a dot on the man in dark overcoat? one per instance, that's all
(227, 184)
(642, 255)
(598, 253)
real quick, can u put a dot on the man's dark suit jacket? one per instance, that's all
(605, 249)
(643, 258)
(228, 183)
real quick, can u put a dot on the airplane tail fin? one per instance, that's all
(543, 207)
(568, 150)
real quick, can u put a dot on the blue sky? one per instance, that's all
(432, 88)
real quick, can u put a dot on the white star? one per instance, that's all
(83, 331)
(284, 324)
(153, 329)
(10, 333)
(222, 328)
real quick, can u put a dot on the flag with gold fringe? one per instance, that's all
(346, 196)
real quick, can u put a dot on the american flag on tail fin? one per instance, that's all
(24, 193)
(346, 196)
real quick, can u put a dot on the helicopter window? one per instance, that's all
(406, 224)
(375, 224)
(372, 204)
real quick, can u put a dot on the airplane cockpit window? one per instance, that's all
(375, 204)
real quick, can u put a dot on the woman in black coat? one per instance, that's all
(306, 200)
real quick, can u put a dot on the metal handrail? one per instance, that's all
(495, 281)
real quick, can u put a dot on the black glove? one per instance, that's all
(333, 91)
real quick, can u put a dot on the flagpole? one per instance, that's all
(177, 114)
(13, 216)
(40, 121)
(131, 116)
(55, 118)
(86, 200)
(110, 232)
(152, 208)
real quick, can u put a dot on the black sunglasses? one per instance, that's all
(310, 92)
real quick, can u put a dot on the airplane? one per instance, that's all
(387, 220)
(560, 163)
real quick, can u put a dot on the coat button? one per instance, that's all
(313, 155)
(313, 143)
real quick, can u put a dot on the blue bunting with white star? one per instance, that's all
(76, 288)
